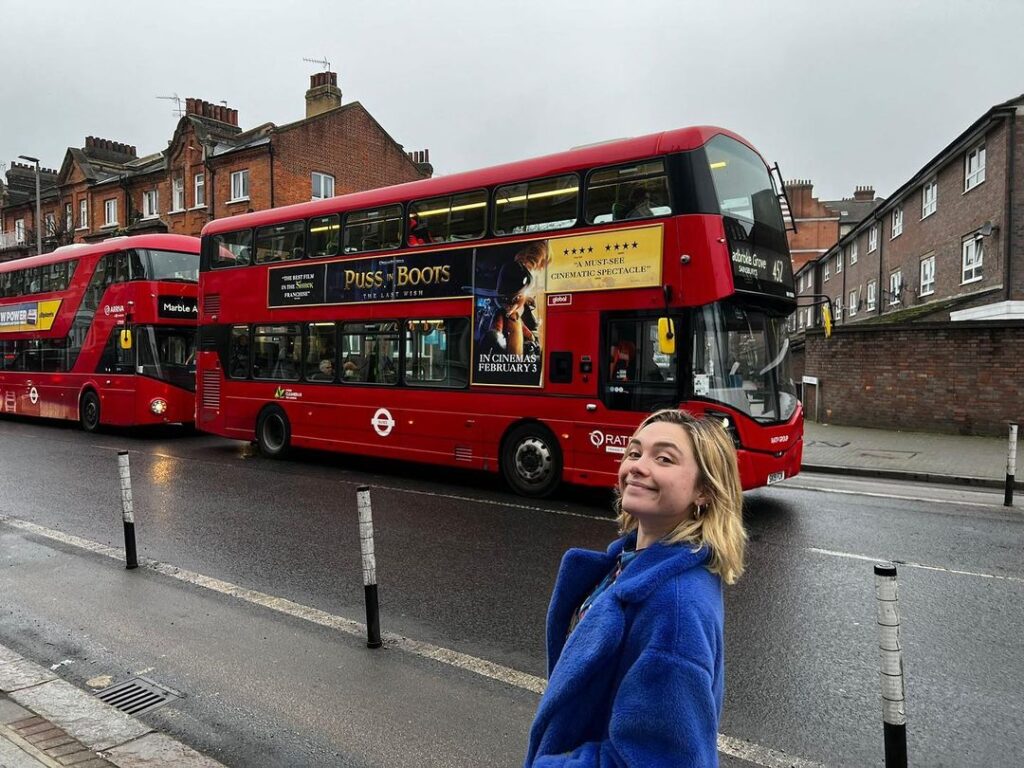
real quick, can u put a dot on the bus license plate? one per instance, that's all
(775, 477)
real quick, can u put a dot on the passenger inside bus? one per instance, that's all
(639, 203)
(623, 361)
(419, 232)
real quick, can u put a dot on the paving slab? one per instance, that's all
(156, 750)
(15, 675)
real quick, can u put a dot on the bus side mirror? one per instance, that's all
(126, 338)
(666, 336)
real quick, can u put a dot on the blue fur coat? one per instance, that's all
(639, 682)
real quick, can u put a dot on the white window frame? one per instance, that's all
(83, 213)
(177, 194)
(873, 238)
(239, 186)
(895, 287)
(826, 272)
(150, 203)
(839, 262)
(69, 216)
(838, 304)
(320, 184)
(110, 212)
(972, 259)
(929, 198)
(851, 308)
(51, 224)
(800, 319)
(974, 167)
(19, 231)
(927, 275)
(872, 295)
(199, 190)
(853, 252)
(897, 222)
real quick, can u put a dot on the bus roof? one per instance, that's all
(182, 243)
(603, 153)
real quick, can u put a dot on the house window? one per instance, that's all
(853, 252)
(839, 261)
(852, 305)
(150, 204)
(827, 272)
(873, 238)
(323, 186)
(897, 221)
(110, 212)
(810, 317)
(839, 308)
(239, 186)
(69, 217)
(178, 193)
(51, 224)
(928, 275)
(800, 319)
(83, 214)
(895, 287)
(972, 258)
(200, 190)
(19, 231)
(929, 198)
(974, 167)
(872, 294)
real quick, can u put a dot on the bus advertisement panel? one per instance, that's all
(521, 318)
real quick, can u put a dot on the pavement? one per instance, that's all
(46, 721)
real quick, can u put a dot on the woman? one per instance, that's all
(635, 647)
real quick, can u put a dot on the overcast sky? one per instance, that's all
(844, 94)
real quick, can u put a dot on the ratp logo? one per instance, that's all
(612, 443)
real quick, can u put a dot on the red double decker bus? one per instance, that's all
(102, 333)
(521, 318)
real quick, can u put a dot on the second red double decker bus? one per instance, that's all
(101, 333)
(521, 318)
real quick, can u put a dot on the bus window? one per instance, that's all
(637, 191)
(374, 229)
(238, 352)
(321, 355)
(115, 359)
(324, 236)
(231, 249)
(276, 352)
(535, 206)
(448, 219)
(639, 377)
(437, 352)
(369, 353)
(281, 242)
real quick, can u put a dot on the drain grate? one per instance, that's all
(140, 694)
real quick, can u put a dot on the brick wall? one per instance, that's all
(953, 378)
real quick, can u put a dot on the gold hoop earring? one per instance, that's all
(699, 511)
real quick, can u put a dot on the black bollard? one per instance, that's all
(369, 567)
(894, 710)
(131, 560)
(1011, 466)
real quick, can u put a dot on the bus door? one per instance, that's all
(635, 377)
(116, 376)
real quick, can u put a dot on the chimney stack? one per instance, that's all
(217, 112)
(323, 94)
(864, 193)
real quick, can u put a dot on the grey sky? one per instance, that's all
(843, 94)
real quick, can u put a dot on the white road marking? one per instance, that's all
(911, 564)
(739, 748)
(848, 492)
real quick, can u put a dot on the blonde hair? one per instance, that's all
(720, 526)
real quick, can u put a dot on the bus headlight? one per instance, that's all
(158, 406)
(727, 423)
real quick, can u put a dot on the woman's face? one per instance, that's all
(659, 477)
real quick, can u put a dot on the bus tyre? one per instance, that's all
(89, 411)
(273, 432)
(531, 461)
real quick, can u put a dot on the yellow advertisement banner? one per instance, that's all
(28, 316)
(602, 261)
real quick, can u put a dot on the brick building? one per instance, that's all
(211, 168)
(820, 223)
(927, 294)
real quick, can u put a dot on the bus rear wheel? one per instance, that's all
(531, 461)
(273, 432)
(89, 412)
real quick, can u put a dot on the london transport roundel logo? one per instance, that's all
(382, 422)
(33, 395)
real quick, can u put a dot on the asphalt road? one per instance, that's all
(465, 565)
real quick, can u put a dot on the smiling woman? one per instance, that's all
(635, 634)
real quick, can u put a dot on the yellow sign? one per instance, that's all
(621, 258)
(28, 316)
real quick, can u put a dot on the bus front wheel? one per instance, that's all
(89, 412)
(273, 432)
(531, 461)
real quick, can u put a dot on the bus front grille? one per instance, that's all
(211, 304)
(211, 390)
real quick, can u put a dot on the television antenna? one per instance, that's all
(322, 62)
(178, 111)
